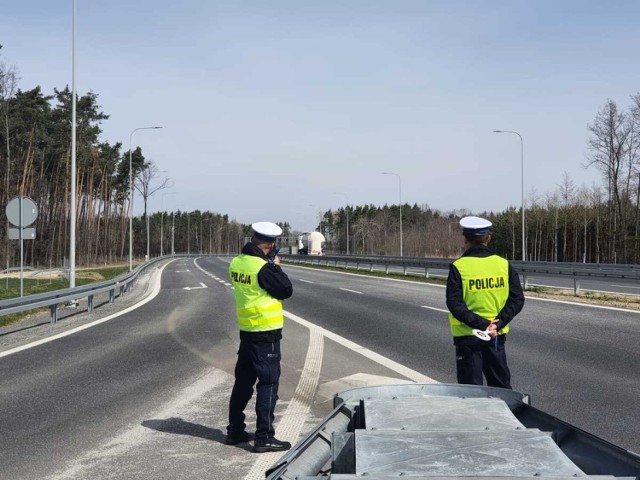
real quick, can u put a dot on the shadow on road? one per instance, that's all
(182, 427)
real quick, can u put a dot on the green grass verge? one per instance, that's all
(10, 287)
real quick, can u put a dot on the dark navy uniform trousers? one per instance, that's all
(474, 360)
(256, 361)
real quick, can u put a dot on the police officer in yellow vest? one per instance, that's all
(259, 286)
(483, 293)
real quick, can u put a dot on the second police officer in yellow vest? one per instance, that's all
(483, 293)
(259, 286)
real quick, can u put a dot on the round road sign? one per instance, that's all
(29, 212)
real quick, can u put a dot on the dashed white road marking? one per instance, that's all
(434, 308)
(202, 285)
(352, 291)
(305, 281)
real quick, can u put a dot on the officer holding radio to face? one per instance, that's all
(259, 286)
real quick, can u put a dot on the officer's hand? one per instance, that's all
(492, 329)
(276, 260)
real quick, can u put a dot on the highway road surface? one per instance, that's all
(139, 389)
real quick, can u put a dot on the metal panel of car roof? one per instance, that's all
(439, 413)
(451, 453)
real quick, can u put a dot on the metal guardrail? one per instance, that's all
(577, 271)
(122, 284)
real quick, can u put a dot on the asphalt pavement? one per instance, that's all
(143, 394)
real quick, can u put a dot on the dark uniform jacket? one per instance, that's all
(457, 307)
(276, 283)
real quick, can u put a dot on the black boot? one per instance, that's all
(270, 445)
(236, 438)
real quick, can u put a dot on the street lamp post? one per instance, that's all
(524, 255)
(400, 192)
(72, 187)
(131, 196)
(347, 210)
(173, 230)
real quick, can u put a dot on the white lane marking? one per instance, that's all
(202, 285)
(152, 295)
(305, 281)
(182, 271)
(603, 307)
(294, 417)
(623, 286)
(434, 308)
(376, 357)
(366, 276)
(353, 291)
(227, 284)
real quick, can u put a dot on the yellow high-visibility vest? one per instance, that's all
(257, 311)
(485, 290)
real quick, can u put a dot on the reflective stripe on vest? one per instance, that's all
(485, 290)
(257, 311)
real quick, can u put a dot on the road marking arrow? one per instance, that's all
(196, 288)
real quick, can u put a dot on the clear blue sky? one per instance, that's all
(269, 108)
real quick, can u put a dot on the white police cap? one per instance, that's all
(266, 231)
(475, 225)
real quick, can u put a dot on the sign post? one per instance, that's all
(21, 212)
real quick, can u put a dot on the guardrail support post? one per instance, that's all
(357, 265)
(54, 313)
(121, 290)
(576, 285)
(426, 272)
(404, 270)
(371, 268)
(90, 303)
(525, 282)
(386, 269)
(112, 295)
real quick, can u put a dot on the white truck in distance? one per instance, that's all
(311, 244)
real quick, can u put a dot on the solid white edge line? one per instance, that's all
(376, 357)
(154, 293)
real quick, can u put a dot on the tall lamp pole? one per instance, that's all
(131, 196)
(72, 206)
(400, 192)
(347, 210)
(524, 255)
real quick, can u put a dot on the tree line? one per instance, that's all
(596, 224)
(36, 163)
(599, 223)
